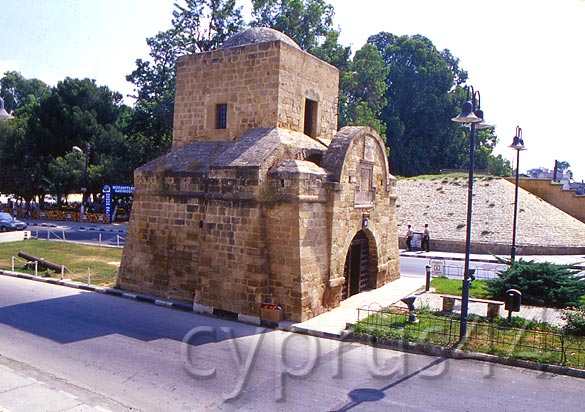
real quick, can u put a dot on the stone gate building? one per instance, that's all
(260, 195)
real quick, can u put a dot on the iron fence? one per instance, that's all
(455, 271)
(543, 344)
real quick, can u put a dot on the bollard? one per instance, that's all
(13, 263)
(62, 271)
(88, 277)
(428, 283)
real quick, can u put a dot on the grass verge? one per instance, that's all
(446, 286)
(103, 262)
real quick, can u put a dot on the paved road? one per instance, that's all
(99, 234)
(125, 355)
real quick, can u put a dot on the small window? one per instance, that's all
(221, 116)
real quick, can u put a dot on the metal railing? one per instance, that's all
(60, 235)
(454, 271)
(544, 345)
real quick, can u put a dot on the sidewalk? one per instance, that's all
(578, 260)
(19, 393)
(334, 322)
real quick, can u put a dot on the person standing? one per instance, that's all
(426, 239)
(408, 238)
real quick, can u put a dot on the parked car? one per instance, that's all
(7, 222)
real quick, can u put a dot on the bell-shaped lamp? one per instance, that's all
(481, 124)
(4, 115)
(518, 143)
(467, 115)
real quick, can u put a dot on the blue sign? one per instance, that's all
(108, 192)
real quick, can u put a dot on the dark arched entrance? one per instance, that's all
(357, 266)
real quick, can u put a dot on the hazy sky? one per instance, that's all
(526, 57)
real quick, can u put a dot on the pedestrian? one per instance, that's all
(426, 239)
(408, 238)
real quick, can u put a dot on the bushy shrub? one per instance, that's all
(575, 318)
(541, 283)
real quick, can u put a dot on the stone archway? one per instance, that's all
(357, 266)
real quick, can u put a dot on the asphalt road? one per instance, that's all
(98, 234)
(416, 266)
(128, 356)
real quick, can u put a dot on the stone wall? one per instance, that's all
(299, 238)
(441, 202)
(185, 244)
(362, 146)
(566, 200)
(264, 85)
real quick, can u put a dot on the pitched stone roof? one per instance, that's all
(256, 146)
(253, 149)
(442, 203)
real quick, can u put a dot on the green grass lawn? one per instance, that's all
(522, 340)
(446, 286)
(103, 262)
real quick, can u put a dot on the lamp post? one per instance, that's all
(4, 115)
(472, 116)
(518, 145)
(84, 187)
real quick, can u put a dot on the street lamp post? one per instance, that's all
(518, 145)
(86, 165)
(472, 116)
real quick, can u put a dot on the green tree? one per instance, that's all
(563, 166)
(363, 85)
(420, 134)
(200, 25)
(19, 92)
(36, 148)
(307, 22)
(21, 169)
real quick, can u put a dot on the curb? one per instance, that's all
(456, 258)
(462, 259)
(459, 354)
(106, 291)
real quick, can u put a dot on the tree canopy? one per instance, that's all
(305, 21)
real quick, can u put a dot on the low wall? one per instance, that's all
(441, 245)
(15, 236)
(566, 200)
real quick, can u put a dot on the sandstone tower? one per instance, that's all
(260, 195)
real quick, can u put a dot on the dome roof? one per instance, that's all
(258, 35)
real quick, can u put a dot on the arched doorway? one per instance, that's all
(357, 266)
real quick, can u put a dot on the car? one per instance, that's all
(7, 223)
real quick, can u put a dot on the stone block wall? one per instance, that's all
(299, 238)
(303, 76)
(264, 85)
(566, 200)
(364, 147)
(183, 244)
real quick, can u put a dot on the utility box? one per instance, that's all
(513, 300)
(270, 311)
